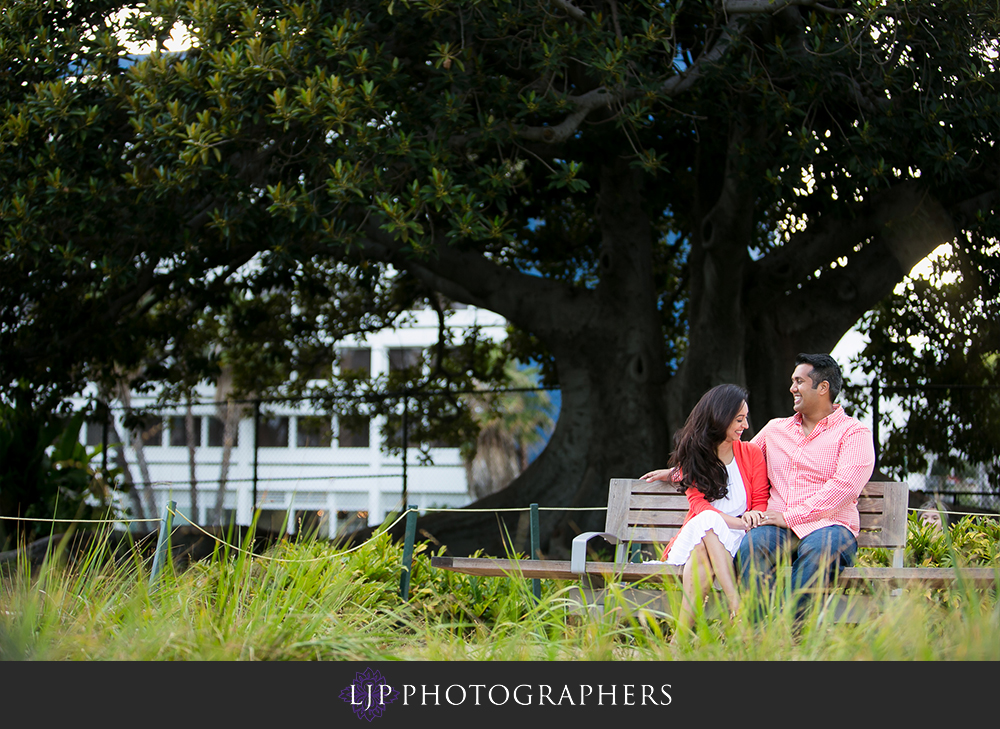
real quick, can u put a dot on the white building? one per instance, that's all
(307, 472)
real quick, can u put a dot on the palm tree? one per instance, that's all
(138, 441)
(510, 423)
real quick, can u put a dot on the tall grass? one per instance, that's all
(310, 600)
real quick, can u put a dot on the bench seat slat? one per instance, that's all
(870, 505)
(654, 487)
(872, 540)
(660, 502)
(656, 518)
(872, 522)
(917, 576)
(878, 488)
(650, 535)
(627, 572)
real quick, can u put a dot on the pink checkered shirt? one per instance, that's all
(816, 479)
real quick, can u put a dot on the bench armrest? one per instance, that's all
(578, 557)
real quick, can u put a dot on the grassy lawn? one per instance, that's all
(310, 600)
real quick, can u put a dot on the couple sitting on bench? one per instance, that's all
(791, 490)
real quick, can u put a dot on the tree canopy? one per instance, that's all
(658, 196)
(934, 347)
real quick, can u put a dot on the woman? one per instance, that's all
(726, 484)
(932, 512)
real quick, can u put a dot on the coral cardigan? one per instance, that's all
(753, 469)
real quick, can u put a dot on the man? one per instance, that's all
(818, 461)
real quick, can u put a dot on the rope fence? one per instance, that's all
(278, 559)
(77, 521)
(222, 542)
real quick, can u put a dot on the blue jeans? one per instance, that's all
(815, 559)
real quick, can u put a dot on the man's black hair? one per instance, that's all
(825, 368)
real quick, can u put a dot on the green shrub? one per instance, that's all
(45, 472)
(973, 541)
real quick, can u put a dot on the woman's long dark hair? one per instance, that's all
(696, 444)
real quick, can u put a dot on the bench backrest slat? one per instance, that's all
(652, 513)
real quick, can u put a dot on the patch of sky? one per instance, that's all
(682, 59)
(555, 405)
(853, 341)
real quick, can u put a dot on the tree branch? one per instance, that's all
(472, 278)
(571, 10)
(676, 84)
(771, 7)
(899, 228)
(604, 97)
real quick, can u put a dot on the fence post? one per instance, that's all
(411, 535)
(162, 543)
(536, 584)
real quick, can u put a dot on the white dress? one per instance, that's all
(691, 534)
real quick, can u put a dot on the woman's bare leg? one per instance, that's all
(696, 581)
(722, 565)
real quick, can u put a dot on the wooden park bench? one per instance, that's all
(641, 513)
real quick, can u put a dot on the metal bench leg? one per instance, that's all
(592, 588)
(897, 561)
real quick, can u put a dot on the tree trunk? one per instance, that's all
(228, 413)
(749, 318)
(495, 463)
(229, 417)
(601, 433)
(192, 448)
(146, 492)
(607, 343)
(719, 258)
(138, 509)
(147, 482)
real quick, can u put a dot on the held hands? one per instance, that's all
(761, 518)
(660, 474)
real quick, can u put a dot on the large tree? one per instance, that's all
(658, 196)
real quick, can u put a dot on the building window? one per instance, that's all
(355, 435)
(356, 361)
(404, 358)
(318, 365)
(178, 431)
(313, 523)
(149, 429)
(313, 432)
(95, 434)
(216, 431)
(273, 432)
(347, 521)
